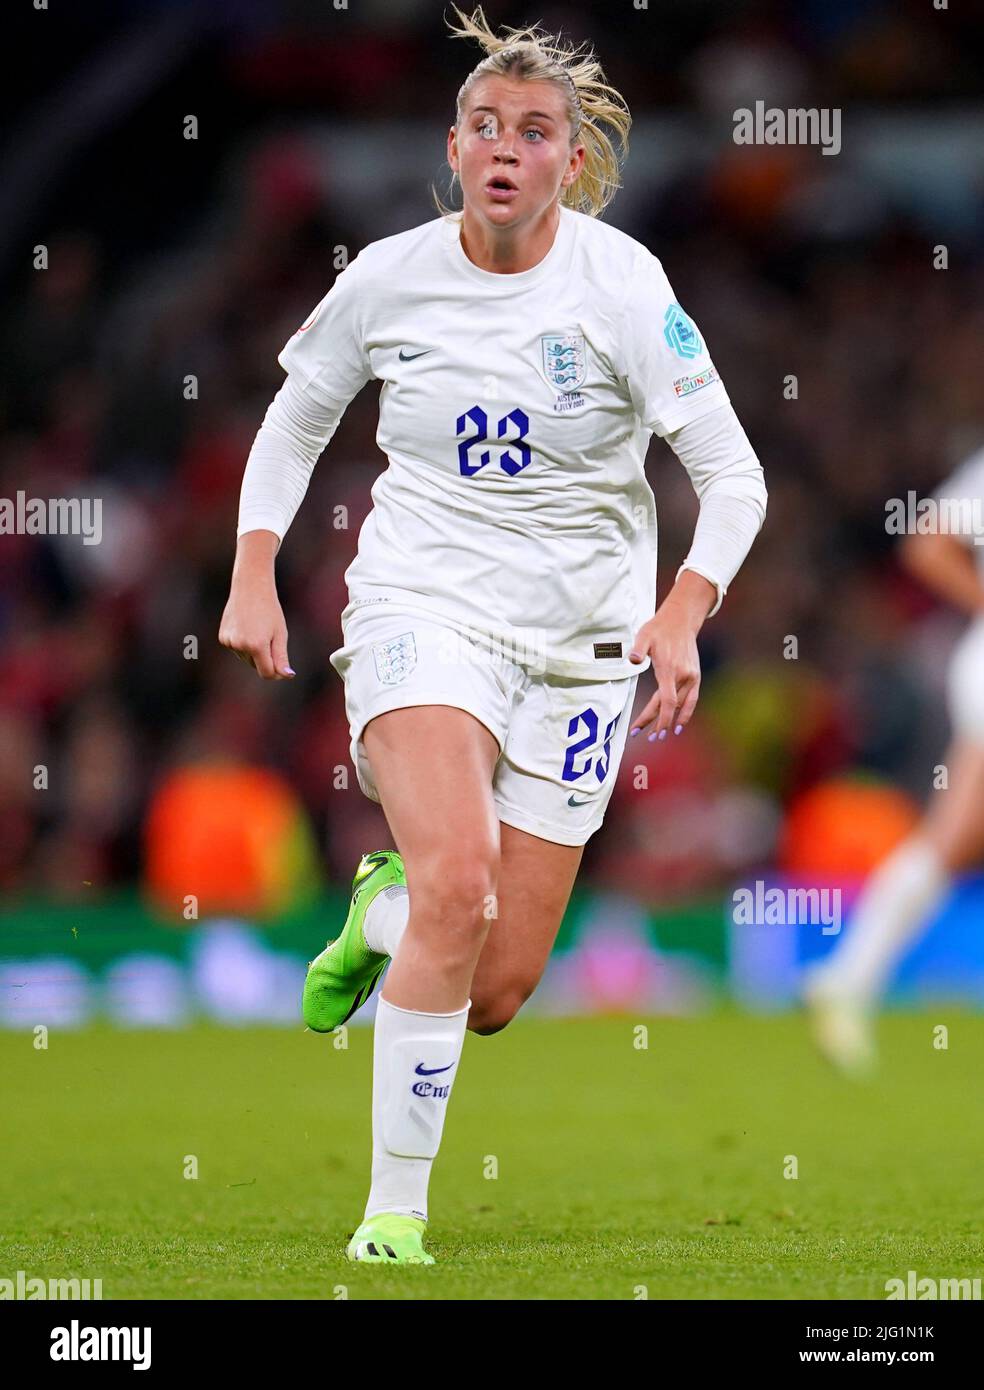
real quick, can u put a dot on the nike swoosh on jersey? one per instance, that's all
(572, 802)
(409, 356)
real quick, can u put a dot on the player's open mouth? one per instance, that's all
(503, 190)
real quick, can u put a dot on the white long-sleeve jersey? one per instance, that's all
(515, 412)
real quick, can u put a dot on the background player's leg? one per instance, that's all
(910, 885)
(955, 821)
(895, 905)
(535, 881)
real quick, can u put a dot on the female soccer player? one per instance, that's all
(901, 896)
(502, 598)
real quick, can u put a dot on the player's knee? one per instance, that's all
(488, 1016)
(489, 1021)
(460, 881)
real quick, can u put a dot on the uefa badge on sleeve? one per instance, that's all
(681, 334)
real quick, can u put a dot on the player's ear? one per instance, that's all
(573, 169)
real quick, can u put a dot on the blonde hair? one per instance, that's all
(533, 55)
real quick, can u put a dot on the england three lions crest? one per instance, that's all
(395, 659)
(564, 360)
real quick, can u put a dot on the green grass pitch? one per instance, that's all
(618, 1169)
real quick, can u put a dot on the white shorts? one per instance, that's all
(965, 685)
(560, 740)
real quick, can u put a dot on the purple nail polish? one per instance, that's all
(634, 732)
(652, 736)
(662, 735)
(678, 729)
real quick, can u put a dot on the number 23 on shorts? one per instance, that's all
(582, 733)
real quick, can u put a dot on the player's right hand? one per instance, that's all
(253, 626)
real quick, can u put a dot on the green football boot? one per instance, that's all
(341, 979)
(390, 1238)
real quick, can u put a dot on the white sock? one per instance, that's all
(408, 1108)
(896, 901)
(386, 919)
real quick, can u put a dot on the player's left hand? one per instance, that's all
(670, 641)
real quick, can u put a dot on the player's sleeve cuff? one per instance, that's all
(721, 590)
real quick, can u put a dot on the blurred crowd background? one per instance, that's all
(321, 128)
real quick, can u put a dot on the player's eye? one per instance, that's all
(487, 128)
